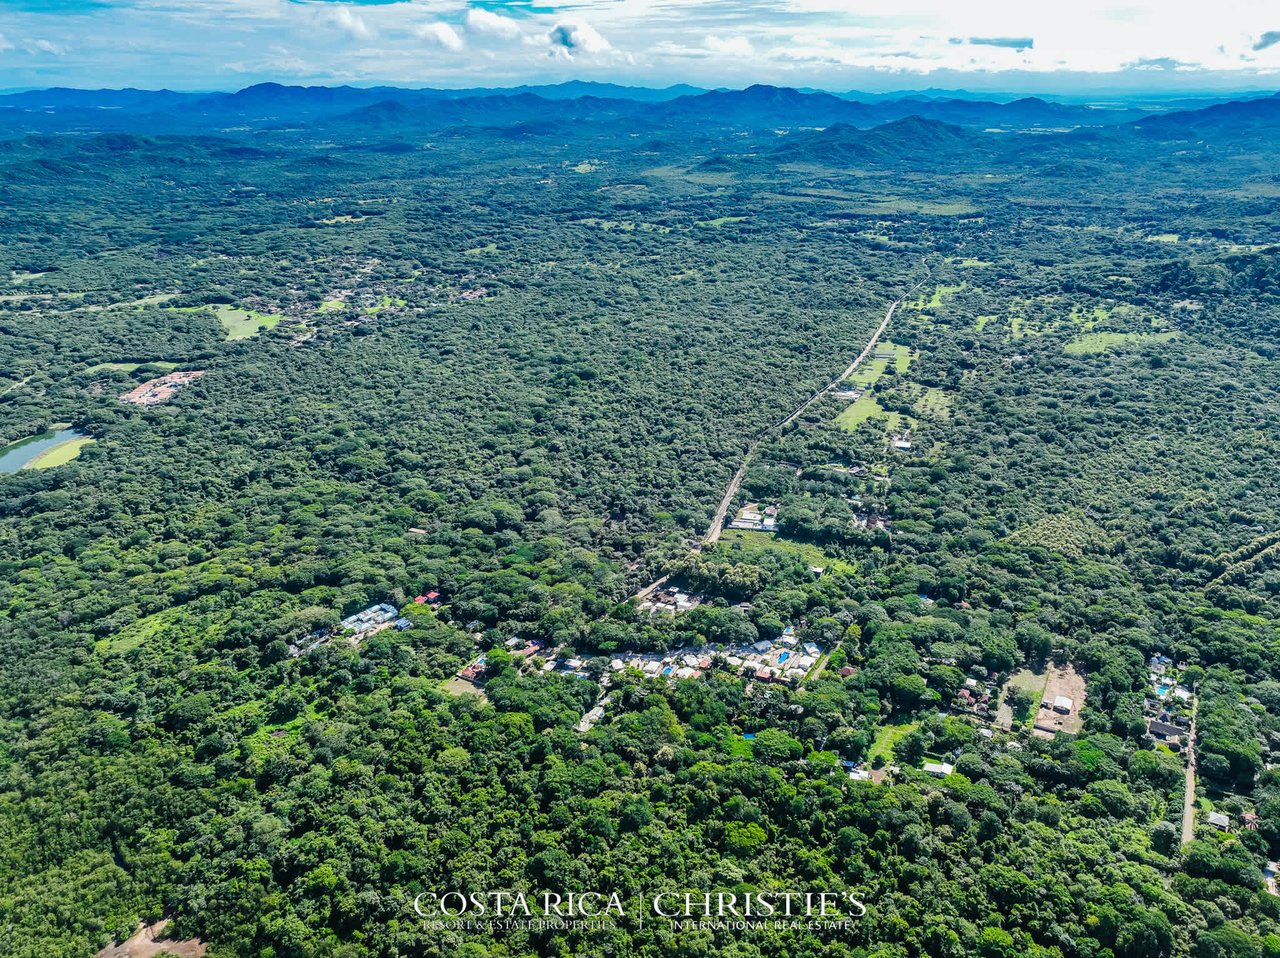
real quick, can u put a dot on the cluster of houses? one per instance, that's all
(521, 649)
(155, 391)
(672, 601)
(373, 619)
(753, 518)
(784, 660)
(362, 624)
(975, 697)
(1167, 704)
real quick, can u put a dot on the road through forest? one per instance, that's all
(731, 490)
(1189, 798)
(717, 523)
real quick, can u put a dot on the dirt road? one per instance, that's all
(717, 522)
(1189, 801)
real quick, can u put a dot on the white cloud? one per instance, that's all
(837, 44)
(731, 46)
(484, 21)
(349, 22)
(440, 33)
(46, 46)
(570, 38)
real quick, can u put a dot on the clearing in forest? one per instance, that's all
(1063, 682)
(887, 739)
(460, 686)
(1033, 684)
(866, 406)
(750, 543)
(237, 323)
(150, 940)
(130, 367)
(1092, 343)
(244, 323)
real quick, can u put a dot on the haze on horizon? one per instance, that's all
(1089, 46)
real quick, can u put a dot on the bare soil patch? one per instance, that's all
(149, 941)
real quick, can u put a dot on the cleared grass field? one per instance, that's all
(237, 323)
(887, 739)
(934, 402)
(1092, 343)
(754, 543)
(130, 367)
(866, 406)
(60, 454)
(862, 409)
(244, 323)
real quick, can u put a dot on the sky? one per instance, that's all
(1009, 45)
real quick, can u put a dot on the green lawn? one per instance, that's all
(244, 323)
(59, 455)
(862, 409)
(238, 323)
(722, 221)
(753, 543)
(887, 739)
(1092, 343)
(130, 367)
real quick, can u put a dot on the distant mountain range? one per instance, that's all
(851, 129)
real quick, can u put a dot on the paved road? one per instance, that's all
(1189, 801)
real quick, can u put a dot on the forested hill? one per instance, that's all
(340, 430)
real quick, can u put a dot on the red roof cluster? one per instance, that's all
(155, 391)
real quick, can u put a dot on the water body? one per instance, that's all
(16, 455)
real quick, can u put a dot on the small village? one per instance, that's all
(156, 391)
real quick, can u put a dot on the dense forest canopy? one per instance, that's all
(492, 362)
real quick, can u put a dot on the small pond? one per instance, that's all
(16, 455)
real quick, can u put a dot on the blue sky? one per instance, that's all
(1014, 45)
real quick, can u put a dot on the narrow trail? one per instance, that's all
(1189, 800)
(722, 510)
